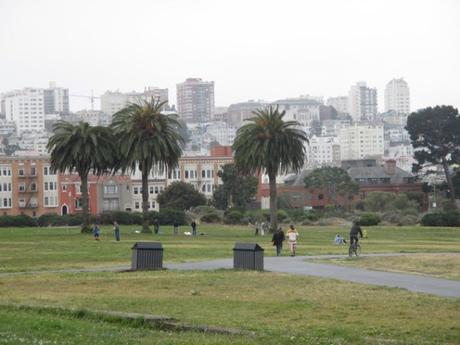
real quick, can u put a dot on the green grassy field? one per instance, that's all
(440, 266)
(278, 308)
(32, 249)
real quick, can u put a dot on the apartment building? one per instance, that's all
(28, 186)
(195, 100)
(304, 109)
(397, 97)
(362, 102)
(361, 141)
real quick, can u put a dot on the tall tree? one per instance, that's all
(435, 135)
(268, 143)
(333, 181)
(82, 148)
(146, 139)
(236, 190)
(181, 196)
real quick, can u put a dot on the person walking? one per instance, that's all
(156, 226)
(277, 239)
(193, 225)
(116, 230)
(175, 227)
(96, 232)
(256, 226)
(292, 236)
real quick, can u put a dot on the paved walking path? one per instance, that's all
(300, 265)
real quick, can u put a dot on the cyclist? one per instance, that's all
(355, 230)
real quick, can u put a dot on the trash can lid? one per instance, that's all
(147, 245)
(248, 246)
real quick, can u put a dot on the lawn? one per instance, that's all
(279, 308)
(32, 249)
(439, 266)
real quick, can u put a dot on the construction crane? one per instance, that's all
(92, 97)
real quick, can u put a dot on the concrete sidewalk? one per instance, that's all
(299, 265)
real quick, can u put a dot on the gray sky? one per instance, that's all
(251, 49)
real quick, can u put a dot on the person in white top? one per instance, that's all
(292, 236)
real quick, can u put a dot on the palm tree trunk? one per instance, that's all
(273, 202)
(449, 182)
(145, 200)
(84, 198)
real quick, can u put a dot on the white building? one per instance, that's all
(339, 103)
(7, 128)
(221, 132)
(361, 141)
(238, 112)
(114, 101)
(323, 151)
(93, 117)
(304, 110)
(362, 102)
(156, 184)
(26, 108)
(56, 99)
(397, 97)
(195, 100)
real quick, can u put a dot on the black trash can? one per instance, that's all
(147, 256)
(248, 256)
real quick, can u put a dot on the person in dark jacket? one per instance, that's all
(277, 239)
(156, 226)
(193, 225)
(355, 230)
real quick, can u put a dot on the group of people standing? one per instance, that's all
(116, 231)
(279, 237)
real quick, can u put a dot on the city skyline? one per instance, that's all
(235, 45)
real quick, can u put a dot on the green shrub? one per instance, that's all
(233, 216)
(400, 218)
(282, 215)
(47, 219)
(168, 216)
(17, 221)
(441, 219)
(369, 219)
(212, 217)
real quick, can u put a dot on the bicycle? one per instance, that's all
(354, 248)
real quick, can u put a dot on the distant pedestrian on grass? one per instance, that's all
(264, 228)
(277, 239)
(193, 225)
(156, 226)
(116, 230)
(256, 227)
(176, 227)
(292, 236)
(96, 232)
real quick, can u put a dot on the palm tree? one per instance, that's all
(147, 139)
(269, 143)
(82, 148)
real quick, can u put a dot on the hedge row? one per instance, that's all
(165, 217)
(450, 218)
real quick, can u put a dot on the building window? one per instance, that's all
(22, 187)
(111, 189)
(33, 187)
(21, 172)
(151, 190)
(153, 204)
(64, 187)
(78, 203)
(203, 173)
(136, 205)
(46, 186)
(33, 171)
(45, 170)
(156, 189)
(46, 201)
(135, 190)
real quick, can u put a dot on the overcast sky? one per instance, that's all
(251, 49)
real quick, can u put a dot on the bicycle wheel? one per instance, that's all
(350, 251)
(358, 250)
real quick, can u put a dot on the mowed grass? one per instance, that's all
(33, 249)
(440, 266)
(279, 308)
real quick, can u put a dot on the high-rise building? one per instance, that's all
(114, 101)
(397, 96)
(362, 102)
(56, 100)
(361, 141)
(26, 108)
(195, 100)
(339, 103)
